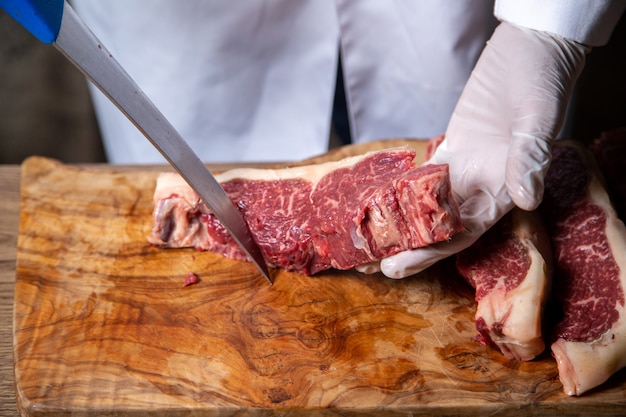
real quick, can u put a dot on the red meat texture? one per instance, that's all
(381, 205)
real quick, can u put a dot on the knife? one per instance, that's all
(55, 22)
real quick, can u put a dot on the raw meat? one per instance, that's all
(308, 219)
(432, 146)
(589, 243)
(510, 267)
(191, 279)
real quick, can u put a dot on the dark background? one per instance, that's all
(45, 107)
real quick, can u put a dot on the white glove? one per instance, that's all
(498, 143)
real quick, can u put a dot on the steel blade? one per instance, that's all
(83, 48)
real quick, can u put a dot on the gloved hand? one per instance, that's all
(498, 142)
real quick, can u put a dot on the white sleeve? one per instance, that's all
(589, 22)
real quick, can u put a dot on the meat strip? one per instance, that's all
(312, 218)
(510, 267)
(589, 243)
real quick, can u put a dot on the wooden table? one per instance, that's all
(9, 225)
(605, 403)
(9, 216)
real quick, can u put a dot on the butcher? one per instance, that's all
(256, 81)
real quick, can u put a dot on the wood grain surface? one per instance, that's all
(104, 325)
(9, 218)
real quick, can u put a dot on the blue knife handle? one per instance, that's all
(42, 18)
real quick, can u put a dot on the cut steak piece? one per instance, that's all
(510, 267)
(589, 243)
(311, 218)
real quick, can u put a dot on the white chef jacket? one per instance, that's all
(254, 80)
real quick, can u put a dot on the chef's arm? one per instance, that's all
(590, 22)
(498, 141)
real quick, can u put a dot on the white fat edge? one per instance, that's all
(616, 235)
(169, 183)
(169, 179)
(586, 365)
(561, 350)
(312, 173)
(533, 291)
(524, 324)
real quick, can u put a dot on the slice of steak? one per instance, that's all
(589, 243)
(510, 267)
(308, 219)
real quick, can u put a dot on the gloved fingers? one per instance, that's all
(544, 71)
(535, 123)
(499, 137)
(369, 268)
(478, 213)
(411, 262)
(528, 159)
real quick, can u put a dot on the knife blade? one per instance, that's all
(55, 22)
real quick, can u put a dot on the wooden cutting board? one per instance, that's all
(104, 326)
